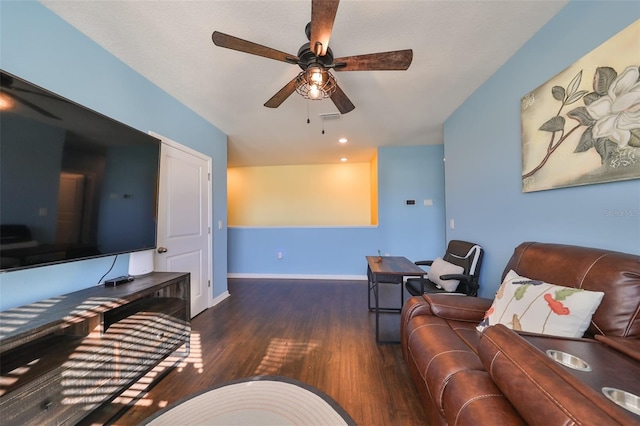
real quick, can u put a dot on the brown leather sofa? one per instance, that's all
(465, 377)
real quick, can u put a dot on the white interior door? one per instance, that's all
(184, 216)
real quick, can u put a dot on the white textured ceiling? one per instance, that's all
(456, 46)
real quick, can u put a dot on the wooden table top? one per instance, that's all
(393, 265)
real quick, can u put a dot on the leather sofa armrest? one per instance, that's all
(541, 390)
(457, 307)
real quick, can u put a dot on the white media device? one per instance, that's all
(140, 263)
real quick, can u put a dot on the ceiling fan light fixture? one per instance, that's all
(315, 75)
(314, 92)
(315, 83)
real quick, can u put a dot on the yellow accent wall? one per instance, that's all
(300, 195)
(373, 174)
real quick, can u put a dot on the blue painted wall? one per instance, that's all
(40, 47)
(483, 154)
(482, 147)
(417, 232)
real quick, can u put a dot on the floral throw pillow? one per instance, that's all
(535, 306)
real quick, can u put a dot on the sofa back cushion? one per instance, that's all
(614, 273)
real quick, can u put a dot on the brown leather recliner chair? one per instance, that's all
(499, 376)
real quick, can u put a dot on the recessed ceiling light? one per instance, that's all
(343, 159)
(342, 140)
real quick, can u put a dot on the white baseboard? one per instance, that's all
(300, 276)
(219, 298)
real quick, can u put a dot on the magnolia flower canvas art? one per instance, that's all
(583, 125)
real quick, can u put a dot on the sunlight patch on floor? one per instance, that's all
(279, 351)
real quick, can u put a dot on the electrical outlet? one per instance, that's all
(280, 254)
(452, 224)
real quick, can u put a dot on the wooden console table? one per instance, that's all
(65, 356)
(395, 267)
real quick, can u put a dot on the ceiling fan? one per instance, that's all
(316, 59)
(8, 95)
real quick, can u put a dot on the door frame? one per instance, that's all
(209, 160)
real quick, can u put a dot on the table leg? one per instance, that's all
(375, 293)
(369, 286)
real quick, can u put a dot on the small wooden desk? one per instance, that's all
(394, 266)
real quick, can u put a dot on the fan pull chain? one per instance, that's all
(308, 121)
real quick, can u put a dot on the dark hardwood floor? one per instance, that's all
(318, 332)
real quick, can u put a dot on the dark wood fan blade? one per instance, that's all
(282, 94)
(396, 60)
(323, 13)
(235, 43)
(341, 101)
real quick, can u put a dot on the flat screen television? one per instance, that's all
(74, 184)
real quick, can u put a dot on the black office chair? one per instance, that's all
(465, 255)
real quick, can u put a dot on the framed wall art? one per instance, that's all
(583, 126)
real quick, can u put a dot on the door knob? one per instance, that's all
(162, 249)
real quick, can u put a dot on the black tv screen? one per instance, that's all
(74, 184)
